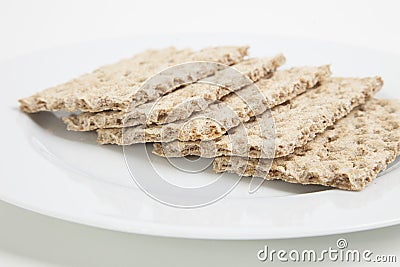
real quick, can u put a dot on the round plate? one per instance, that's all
(67, 175)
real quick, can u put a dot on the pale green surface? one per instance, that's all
(30, 239)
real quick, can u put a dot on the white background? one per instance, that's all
(28, 239)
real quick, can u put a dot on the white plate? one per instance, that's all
(66, 175)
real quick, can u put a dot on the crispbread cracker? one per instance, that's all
(348, 155)
(181, 103)
(116, 86)
(296, 123)
(220, 117)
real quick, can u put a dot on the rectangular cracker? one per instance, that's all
(295, 123)
(265, 94)
(116, 86)
(348, 155)
(180, 104)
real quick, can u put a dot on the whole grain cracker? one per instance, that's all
(296, 123)
(180, 104)
(117, 86)
(348, 155)
(220, 117)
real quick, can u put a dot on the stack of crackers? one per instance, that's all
(297, 124)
